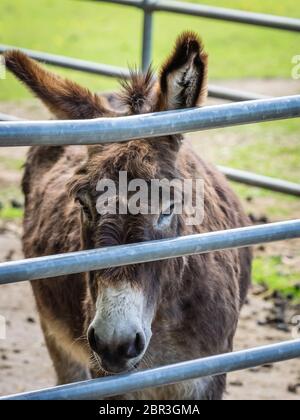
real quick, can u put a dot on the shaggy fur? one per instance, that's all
(197, 298)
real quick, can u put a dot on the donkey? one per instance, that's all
(144, 315)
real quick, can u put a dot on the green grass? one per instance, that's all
(272, 151)
(11, 163)
(7, 211)
(271, 271)
(271, 148)
(11, 214)
(112, 34)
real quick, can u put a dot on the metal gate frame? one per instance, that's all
(16, 133)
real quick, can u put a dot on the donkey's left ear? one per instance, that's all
(64, 98)
(183, 78)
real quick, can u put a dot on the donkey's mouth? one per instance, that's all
(109, 369)
(119, 371)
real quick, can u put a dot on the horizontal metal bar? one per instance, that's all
(210, 366)
(231, 15)
(71, 63)
(110, 130)
(213, 91)
(236, 175)
(220, 13)
(261, 181)
(119, 72)
(97, 259)
(233, 94)
(6, 117)
(244, 177)
(133, 3)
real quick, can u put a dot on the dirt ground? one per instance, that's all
(24, 362)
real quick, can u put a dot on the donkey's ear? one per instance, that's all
(64, 98)
(183, 78)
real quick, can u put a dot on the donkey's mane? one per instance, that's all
(136, 91)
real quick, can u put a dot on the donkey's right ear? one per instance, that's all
(183, 77)
(64, 98)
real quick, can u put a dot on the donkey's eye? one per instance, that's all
(84, 206)
(165, 217)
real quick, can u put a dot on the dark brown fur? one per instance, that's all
(198, 297)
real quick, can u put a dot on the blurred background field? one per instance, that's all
(241, 56)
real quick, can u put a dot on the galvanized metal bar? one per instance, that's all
(219, 13)
(236, 175)
(233, 94)
(210, 366)
(71, 63)
(97, 259)
(133, 3)
(261, 181)
(231, 15)
(147, 35)
(106, 130)
(6, 117)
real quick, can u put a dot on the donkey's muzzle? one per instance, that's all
(117, 354)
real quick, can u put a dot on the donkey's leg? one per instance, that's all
(67, 369)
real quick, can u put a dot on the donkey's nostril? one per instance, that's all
(92, 339)
(136, 347)
(139, 342)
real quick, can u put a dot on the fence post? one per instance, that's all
(147, 35)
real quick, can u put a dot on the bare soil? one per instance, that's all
(24, 361)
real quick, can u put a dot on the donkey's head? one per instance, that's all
(122, 302)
